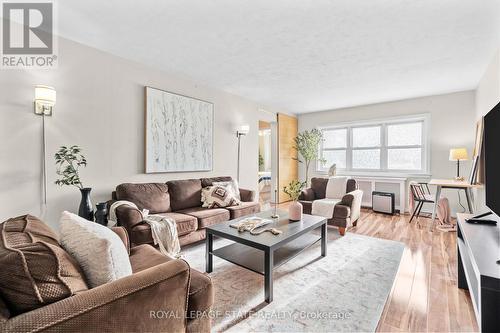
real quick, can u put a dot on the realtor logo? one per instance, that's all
(27, 35)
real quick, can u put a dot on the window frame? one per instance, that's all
(384, 147)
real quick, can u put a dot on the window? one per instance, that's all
(393, 145)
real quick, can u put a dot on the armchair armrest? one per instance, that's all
(353, 201)
(307, 195)
(154, 299)
(247, 195)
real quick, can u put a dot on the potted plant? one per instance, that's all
(307, 145)
(293, 190)
(68, 162)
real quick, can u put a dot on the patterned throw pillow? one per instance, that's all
(231, 185)
(218, 197)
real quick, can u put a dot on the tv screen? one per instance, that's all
(492, 158)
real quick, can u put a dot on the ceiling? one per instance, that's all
(299, 55)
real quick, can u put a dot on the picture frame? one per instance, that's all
(178, 132)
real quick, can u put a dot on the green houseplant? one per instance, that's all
(68, 162)
(307, 145)
(293, 190)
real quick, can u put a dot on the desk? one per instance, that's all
(451, 183)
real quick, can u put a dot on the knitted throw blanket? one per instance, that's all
(163, 229)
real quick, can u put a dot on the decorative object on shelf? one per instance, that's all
(307, 144)
(332, 172)
(101, 213)
(68, 162)
(458, 154)
(179, 132)
(293, 190)
(45, 100)
(240, 131)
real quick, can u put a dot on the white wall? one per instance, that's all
(100, 106)
(452, 125)
(487, 96)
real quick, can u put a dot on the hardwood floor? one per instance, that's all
(425, 296)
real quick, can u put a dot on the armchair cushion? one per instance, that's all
(35, 269)
(336, 187)
(318, 185)
(307, 195)
(151, 196)
(99, 251)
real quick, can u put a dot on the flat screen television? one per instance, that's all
(492, 159)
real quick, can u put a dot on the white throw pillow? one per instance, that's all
(336, 187)
(99, 251)
(218, 197)
(232, 186)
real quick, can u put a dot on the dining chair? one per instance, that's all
(421, 195)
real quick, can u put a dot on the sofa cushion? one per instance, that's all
(184, 193)
(207, 217)
(35, 269)
(209, 181)
(100, 252)
(141, 233)
(201, 292)
(152, 196)
(244, 208)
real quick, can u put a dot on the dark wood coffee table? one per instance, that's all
(265, 252)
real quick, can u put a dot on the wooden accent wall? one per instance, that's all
(287, 166)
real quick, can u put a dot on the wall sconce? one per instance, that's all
(240, 131)
(45, 100)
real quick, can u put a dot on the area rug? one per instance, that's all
(343, 292)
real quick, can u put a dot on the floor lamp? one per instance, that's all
(45, 100)
(240, 131)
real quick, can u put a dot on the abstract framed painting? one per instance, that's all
(178, 132)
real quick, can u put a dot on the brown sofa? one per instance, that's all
(179, 200)
(345, 213)
(161, 295)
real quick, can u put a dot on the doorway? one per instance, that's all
(265, 164)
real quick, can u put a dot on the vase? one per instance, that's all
(101, 213)
(295, 211)
(86, 209)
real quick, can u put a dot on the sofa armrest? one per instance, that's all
(307, 194)
(154, 299)
(247, 195)
(123, 234)
(128, 216)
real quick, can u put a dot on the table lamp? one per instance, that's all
(458, 154)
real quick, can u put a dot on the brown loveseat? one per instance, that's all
(346, 212)
(179, 200)
(43, 289)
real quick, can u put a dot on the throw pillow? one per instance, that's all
(35, 269)
(231, 185)
(99, 251)
(218, 197)
(336, 187)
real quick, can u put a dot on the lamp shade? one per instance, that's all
(457, 154)
(45, 95)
